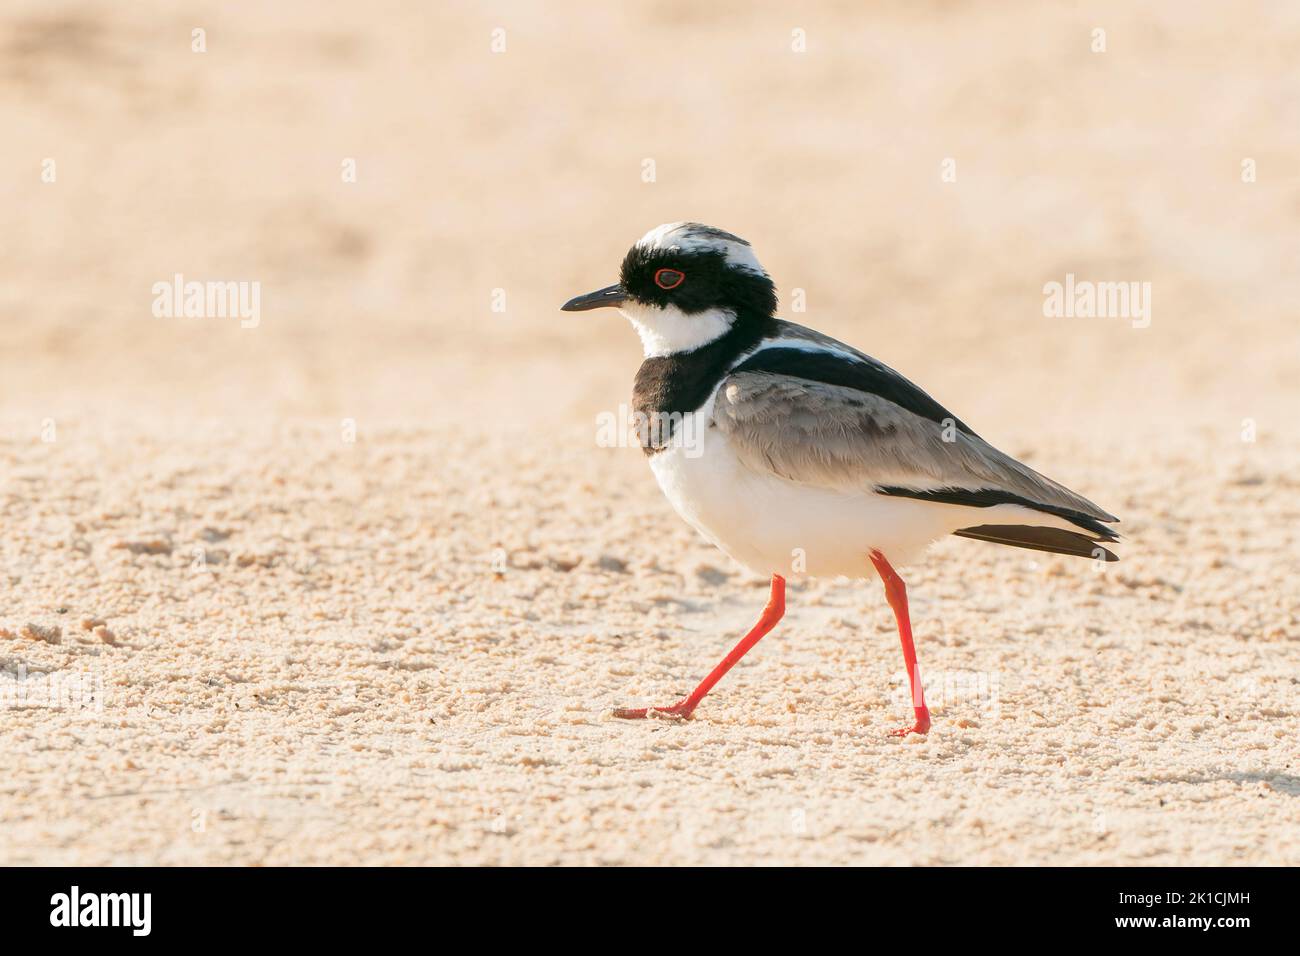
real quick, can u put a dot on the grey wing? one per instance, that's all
(834, 436)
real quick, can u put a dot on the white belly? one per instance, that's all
(773, 526)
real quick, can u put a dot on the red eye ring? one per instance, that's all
(669, 278)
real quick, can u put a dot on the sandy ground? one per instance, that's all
(232, 635)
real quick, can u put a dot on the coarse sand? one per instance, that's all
(359, 585)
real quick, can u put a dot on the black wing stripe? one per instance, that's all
(832, 369)
(1052, 540)
(988, 497)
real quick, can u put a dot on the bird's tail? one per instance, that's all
(1040, 538)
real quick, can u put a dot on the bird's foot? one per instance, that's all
(922, 725)
(679, 711)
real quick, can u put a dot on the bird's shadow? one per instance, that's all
(685, 604)
(1286, 783)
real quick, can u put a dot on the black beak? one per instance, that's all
(612, 296)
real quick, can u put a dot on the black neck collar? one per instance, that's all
(668, 386)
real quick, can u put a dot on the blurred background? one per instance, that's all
(501, 146)
(404, 648)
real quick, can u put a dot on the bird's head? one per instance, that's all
(683, 285)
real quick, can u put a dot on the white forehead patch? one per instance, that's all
(694, 237)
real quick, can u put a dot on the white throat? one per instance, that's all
(669, 330)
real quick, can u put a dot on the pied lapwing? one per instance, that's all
(795, 453)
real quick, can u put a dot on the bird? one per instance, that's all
(796, 454)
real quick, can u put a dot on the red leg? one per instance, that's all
(683, 708)
(896, 594)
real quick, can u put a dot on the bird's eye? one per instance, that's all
(669, 278)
